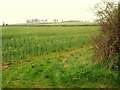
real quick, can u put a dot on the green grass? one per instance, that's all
(20, 42)
(52, 57)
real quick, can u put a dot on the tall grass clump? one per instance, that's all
(107, 42)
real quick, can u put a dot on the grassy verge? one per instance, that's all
(70, 69)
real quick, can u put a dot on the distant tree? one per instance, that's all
(27, 21)
(32, 21)
(42, 20)
(3, 24)
(36, 20)
(46, 20)
(54, 20)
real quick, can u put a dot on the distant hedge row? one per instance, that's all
(54, 25)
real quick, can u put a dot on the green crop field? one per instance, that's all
(52, 57)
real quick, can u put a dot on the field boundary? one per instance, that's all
(54, 25)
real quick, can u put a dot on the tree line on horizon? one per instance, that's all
(39, 20)
(54, 20)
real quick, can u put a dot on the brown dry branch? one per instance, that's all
(107, 42)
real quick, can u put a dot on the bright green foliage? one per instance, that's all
(21, 42)
(70, 69)
(52, 57)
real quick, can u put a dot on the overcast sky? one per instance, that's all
(18, 11)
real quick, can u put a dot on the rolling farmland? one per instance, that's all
(52, 57)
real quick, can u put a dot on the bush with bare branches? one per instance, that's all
(107, 42)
